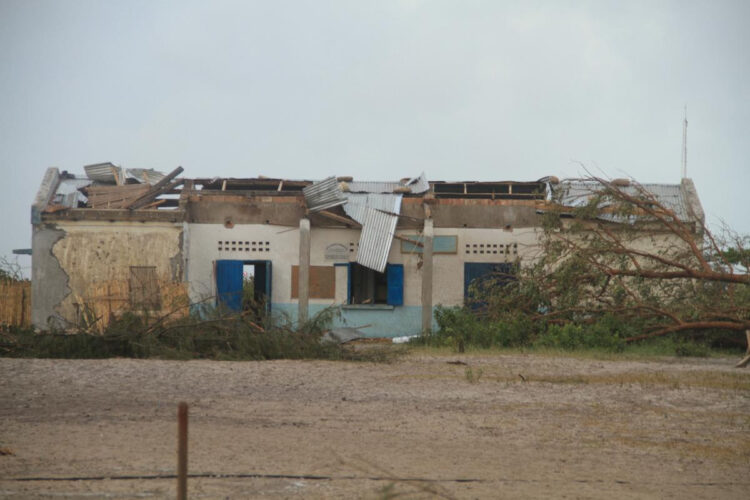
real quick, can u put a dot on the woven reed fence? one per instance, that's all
(103, 302)
(15, 303)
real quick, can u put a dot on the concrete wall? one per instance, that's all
(472, 213)
(216, 207)
(71, 258)
(49, 283)
(205, 240)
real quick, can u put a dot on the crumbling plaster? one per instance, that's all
(89, 253)
(49, 282)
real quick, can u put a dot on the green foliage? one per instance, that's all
(739, 254)
(233, 338)
(640, 271)
(461, 327)
(675, 345)
(571, 336)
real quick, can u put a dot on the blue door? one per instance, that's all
(229, 284)
(395, 277)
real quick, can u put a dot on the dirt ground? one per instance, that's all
(502, 426)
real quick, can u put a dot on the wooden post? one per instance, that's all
(746, 360)
(182, 450)
(23, 307)
(304, 270)
(427, 277)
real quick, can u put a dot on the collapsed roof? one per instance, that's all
(680, 199)
(375, 207)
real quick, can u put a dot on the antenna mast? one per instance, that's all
(684, 145)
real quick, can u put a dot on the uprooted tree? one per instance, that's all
(621, 252)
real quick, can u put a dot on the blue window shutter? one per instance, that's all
(395, 276)
(229, 284)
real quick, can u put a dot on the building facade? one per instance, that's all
(386, 254)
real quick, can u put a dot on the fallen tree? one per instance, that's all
(622, 252)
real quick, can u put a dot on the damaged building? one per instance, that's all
(116, 240)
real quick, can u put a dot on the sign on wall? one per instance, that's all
(440, 244)
(337, 251)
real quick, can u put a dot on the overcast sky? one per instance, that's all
(379, 90)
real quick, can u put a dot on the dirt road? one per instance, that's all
(502, 426)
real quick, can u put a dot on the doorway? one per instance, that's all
(244, 285)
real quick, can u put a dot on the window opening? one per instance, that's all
(144, 288)
(367, 286)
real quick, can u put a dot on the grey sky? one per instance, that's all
(378, 90)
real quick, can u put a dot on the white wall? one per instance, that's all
(448, 269)
(202, 249)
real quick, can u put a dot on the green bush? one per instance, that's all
(232, 338)
(460, 326)
(572, 336)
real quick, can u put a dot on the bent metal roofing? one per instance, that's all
(577, 193)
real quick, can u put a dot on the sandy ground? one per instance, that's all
(416, 428)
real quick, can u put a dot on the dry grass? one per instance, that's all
(575, 429)
(689, 379)
(104, 301)
(633, 352)
(686, 448)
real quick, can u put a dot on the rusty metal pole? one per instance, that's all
(182, 449)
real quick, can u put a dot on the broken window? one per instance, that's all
(481, 278)
(322, 284)
(144, 288)
(371, 287)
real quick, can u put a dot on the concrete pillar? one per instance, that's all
(49, 282)
(427, 277)
(304, 269)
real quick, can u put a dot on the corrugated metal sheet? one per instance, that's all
(104, 172)
(577, 193)
(323, 194)
(358, 203)
(144, 175)
(419, 184)
(416, 184)
(67, 193)
(374, 205)
(375, 212)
